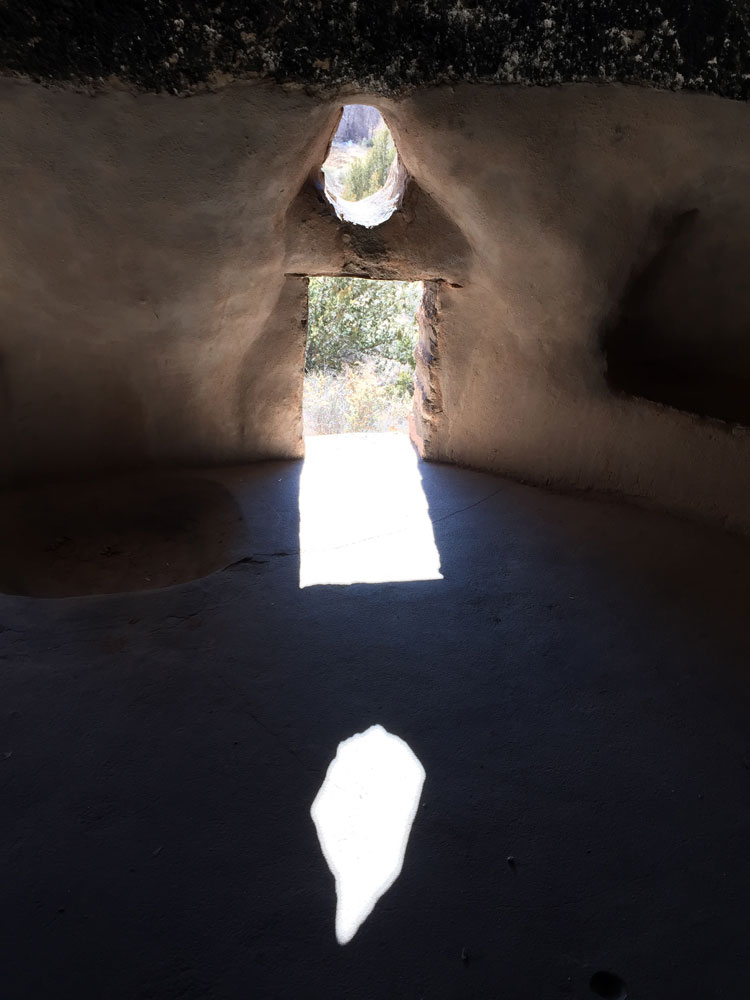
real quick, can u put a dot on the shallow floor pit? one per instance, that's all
(115, 535)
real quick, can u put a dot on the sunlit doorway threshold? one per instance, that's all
(364, 516)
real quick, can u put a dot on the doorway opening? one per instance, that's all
(364, 515)
(360, 356)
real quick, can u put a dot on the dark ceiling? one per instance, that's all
(380, 45)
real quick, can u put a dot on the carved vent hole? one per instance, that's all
(363, 176)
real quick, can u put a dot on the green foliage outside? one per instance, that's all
(350, 319)
(368, 174)
(359, 364)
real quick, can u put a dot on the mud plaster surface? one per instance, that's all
(155, 250)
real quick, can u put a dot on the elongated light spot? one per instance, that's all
(363, 814)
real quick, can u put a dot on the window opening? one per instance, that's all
(364, 178)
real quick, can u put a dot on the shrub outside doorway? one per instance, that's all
(359, 360)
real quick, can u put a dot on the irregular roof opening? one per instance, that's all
(364, 177)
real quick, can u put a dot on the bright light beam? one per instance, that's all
(363, 814)
(364, 517)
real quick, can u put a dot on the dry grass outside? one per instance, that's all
(371, 395)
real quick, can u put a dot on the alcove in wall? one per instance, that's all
(678, 336)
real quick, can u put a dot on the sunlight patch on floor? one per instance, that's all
(363, 815)
(364, 517)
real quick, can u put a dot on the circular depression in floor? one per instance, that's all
(105, 537)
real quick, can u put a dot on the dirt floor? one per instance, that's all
(574, 682)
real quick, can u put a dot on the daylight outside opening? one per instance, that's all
(359, 360)
(363, 176)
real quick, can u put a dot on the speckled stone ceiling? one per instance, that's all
(386, 47)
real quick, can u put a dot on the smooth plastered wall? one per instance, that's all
(154, 249)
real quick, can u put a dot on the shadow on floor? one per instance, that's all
(120, 534)
(575, 686)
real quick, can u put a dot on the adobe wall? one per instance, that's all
(144, 313)
(567, 196)
(152, 305)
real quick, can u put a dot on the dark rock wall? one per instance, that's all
(384, 46)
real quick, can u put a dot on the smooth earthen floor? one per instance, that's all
(576, 687)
